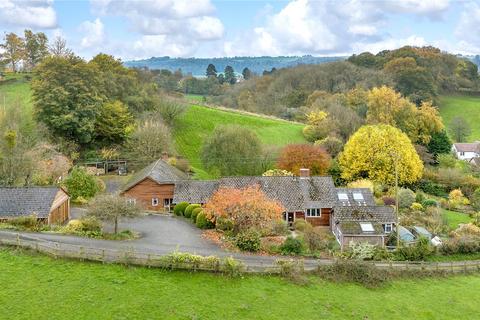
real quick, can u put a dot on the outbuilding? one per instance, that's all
(49, 204)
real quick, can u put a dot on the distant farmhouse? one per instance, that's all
(351, 214)
(49, 204)
(467, 151)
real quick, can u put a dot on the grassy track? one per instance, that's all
(464, 106)
(37, 287)
(199, 122)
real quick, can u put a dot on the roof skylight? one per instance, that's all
(367, 227)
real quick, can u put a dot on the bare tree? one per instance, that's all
(59, 48)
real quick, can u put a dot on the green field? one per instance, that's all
(199, 122)
(38, 287)
(455, 218)
(464, 106)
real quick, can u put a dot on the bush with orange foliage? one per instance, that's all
(293, 157)
(247, 208)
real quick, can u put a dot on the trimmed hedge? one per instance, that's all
(179, 208)
(202, 222)
(188, 210)
(195, 213)
(248, 240)
(292, 246)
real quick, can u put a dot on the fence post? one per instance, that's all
(18, 240)
(148, 260)
(437, 268)
(465, 266)
(103, 255)
(81, 253)
(451, 266)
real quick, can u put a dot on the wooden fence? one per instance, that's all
(214, 264)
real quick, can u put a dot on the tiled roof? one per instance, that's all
(367, 196)
(194, 191)
(382, 214)
(294, 193)
(26, 201)
(354, 228)
(160, 172)
(467, 147)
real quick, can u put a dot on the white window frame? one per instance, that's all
(358, 196)
(317, 213)
(155, 202)
(367, 227)
(131, 201)
(388, 226)
(342, 196)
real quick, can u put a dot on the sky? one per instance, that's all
(131, 29)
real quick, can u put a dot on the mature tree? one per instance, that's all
(247, 208)
(113, 123)
(332, 144)
(36, 48)
(149, 141)
(246, 73)
(221, 78)
(112, 208)
(374, 152)
(81, 184)
(52, 166)
(17, 163)
(277, 173)
(232, 150)
(59, 48)
(170, 110)
(385, 106)
(211, 71)
(439, 143)
(294, 157)
(230, 75)
(459, 129)
(67, 98)
(13, 50)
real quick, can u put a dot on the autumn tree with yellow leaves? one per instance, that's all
(374, 151)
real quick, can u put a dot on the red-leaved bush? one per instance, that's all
(293, 157)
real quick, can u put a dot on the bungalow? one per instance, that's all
(350, 213)
(50, 204)
(466, 151)
(153, 186)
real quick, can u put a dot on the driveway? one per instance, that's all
(160, 234)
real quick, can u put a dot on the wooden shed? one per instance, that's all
(49, 204)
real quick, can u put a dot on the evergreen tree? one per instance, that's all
(440, 143)
(211, 71)
(230, 75)
(247, 74)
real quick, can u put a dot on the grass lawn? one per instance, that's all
(38, 287)
(199, 122)
(455, 218)
(464, 106)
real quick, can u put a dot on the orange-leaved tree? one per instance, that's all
(247, 208)
(293, 157)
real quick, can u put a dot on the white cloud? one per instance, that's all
(94, 33)
(430, 8)
(28, 14)
(468, 29)
(167, 27)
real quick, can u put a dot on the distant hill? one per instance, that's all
(198, 66)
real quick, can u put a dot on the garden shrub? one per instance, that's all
(405, 198)
(462, 245)
(388, 201)
(232, 267)
(416, 206)
(81, 184)
(417, 252)
(248, 240)
(419, 196)
(90, 224)
(224, 224)
(292, 246)
(179, 208)
(432, 188)
(195, 213)
(362, 273)
(280, 228)
(183, 260)
(301, 225)
(475, 199)
(429, 203)
(202, 221)
(360, 251)
(188, 210)
(316, 239)
(30, 223)
(293, 270)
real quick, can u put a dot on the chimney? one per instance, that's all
(304, 173)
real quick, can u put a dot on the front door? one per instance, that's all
(167, 204)
(289, 217)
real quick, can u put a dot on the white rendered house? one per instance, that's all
(466, 151)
